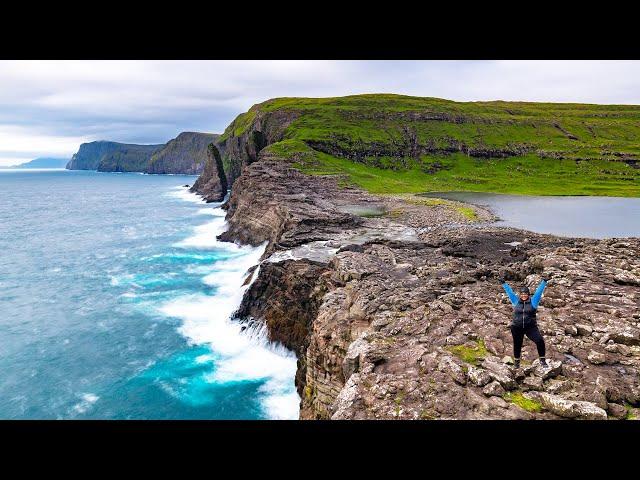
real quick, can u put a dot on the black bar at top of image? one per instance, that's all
(321, 31)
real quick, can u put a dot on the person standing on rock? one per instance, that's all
(524, 319)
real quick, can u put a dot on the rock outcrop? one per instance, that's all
(212, 183)
(401, 316)
(391, 302)
(185, 154)
(241, 144)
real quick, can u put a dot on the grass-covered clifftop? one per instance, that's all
(393, 144)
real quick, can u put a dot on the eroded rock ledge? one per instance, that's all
(401, 316)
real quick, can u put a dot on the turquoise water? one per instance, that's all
(115, 303)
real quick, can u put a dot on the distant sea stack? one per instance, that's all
(107, 156)
(185, 154)
(212, 183)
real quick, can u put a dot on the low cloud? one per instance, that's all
(50, 107)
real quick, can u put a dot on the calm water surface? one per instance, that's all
(593, 217)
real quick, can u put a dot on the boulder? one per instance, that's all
(553, 369)
(626, 337)
(500, 372)
(568, 408)
(494, 389)
(533, 382)
(570, 330)
(584, 330)
(478, 376)
(451, 368)
(596, 358)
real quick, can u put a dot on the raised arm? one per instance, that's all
(510, 293)
(535, 300)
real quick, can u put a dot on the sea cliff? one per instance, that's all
(186, 154)
(392, 301)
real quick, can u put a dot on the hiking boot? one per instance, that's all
(516, 363)
(543, 363)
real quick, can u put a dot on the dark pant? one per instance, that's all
(532, 333)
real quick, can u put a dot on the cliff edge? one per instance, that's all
(390, 300)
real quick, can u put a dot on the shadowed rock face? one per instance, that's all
(242, 150)
(403, 316)
(112, 157)
(212, 184)
(185, 154)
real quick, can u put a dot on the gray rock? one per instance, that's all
(568, 408)
(494, 389)
(352, 360)
(533, 382)
(501, 373)
(455, 371)
(596, 358)
(478, 376)
(626, 337)
(553, 369)
(570, 330)
(558, 386)
(584, 330)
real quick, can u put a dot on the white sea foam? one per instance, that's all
(88, 399)
(205, 235)
(183, 193)
(216, 212)
(241, 353)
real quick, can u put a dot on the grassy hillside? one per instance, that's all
(394, 144)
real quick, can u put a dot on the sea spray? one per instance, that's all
(240, 353)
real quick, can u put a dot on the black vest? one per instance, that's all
(524, 315)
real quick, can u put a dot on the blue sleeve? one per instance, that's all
(535, 300)
(512, 296)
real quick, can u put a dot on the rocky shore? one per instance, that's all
(393, 307)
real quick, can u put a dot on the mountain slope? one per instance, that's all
(186, 154)
(393, 144)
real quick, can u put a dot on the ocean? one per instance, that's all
(116, 302)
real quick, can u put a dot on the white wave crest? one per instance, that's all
(88, 399)
(242, 353)
(183, 193)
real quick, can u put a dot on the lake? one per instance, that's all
(570, 216)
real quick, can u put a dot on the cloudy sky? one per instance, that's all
(47, 108)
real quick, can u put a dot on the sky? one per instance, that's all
(48, 108)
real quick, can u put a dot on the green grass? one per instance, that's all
(545, 160)
(472, 355)
(517, 398)
(629, 415)
(467, 212)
